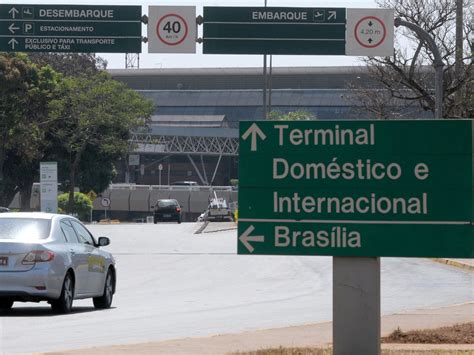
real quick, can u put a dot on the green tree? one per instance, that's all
(97, 113)
(299, 115)
(26, 93)
(97, 169)
(70, 64)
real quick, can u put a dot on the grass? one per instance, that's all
(457, 334)
(312, 351)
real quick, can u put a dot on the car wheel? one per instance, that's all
(105, 301)
(6, 305)
(64, 303)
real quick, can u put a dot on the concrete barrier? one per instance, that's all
(130, 202)
(119, 200)
(140, 199)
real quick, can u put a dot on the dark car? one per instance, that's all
(167, 210)
(4, 209)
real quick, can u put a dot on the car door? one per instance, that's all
(96, 263)
(79, 257)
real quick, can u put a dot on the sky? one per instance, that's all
(198, 60)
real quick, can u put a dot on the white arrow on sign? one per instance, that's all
(13, 42)
(245, 238)
(254, 130)
(12, 28)
(332, 15)
(13, 12)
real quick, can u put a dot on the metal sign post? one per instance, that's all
(105, 202)
(160, 169)
(356, 306)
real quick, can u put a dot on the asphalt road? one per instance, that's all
(175, 284)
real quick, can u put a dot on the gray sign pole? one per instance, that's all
(356, 306)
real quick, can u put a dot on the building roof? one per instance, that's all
(215, 121)
(239, 78)
(280, 97)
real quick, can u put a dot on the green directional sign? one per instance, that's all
(356, 188)
(70, 28)
(274, 30)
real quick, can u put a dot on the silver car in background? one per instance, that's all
(54, 258)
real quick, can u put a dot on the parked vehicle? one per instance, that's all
(4, 209)
(166, 210)
(218, 210)
(185, 183)
(53, 258)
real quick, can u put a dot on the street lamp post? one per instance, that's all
(437, 63)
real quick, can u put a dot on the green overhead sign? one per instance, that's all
(70, 28)
(274, 30)
(356, 188)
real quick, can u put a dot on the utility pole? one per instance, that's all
(265, 84)
(458, 65)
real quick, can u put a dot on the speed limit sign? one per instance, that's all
(171, 29)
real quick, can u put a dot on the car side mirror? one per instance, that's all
(103, 241)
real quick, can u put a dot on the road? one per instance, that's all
(175, 284)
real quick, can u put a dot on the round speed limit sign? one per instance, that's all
(172, 29)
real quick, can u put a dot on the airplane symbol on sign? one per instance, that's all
(319, 15)
(27, 12)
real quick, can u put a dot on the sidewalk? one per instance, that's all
(312, 335)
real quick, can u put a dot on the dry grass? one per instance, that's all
(311, 351)
(457, 334)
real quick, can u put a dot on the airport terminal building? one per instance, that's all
(193, 134)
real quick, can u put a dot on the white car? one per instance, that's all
(53, 258)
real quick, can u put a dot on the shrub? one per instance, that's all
(82, 205)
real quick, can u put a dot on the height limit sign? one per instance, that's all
(171, 29)
(369, 32)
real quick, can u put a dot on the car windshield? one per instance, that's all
(167, 203)
(24, 228)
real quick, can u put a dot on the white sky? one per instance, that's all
(198, 60)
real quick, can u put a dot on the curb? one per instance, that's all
(455, 263)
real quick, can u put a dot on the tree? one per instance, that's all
(70, 64)
(25, 97)
(97, 113)
(97, 169)
(406, 76)
(299, 115)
